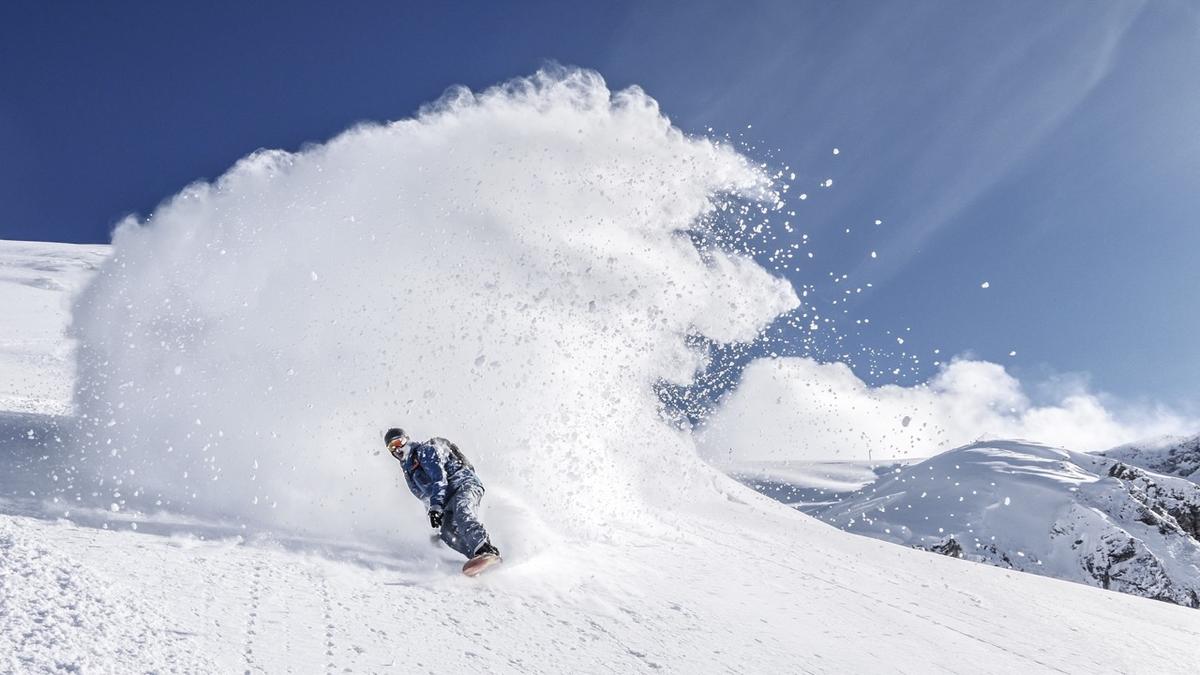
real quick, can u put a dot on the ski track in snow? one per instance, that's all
(695, 604)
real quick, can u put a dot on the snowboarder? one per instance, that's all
(438, 474)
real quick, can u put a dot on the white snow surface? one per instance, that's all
(806, 485)
(56, 614)
(1169, 455)
(742, 584)
(751, 588)
(270, 535)
(36, 282)
(746, 585)
(1043, 510)
(831, 476)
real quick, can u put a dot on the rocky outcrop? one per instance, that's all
(1170, 456)
(949, 546)
(1171, 508)
(1118, 560)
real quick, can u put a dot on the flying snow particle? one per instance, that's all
(294, 327)
(874, 254)
(1007, 501)
(1013, 353)
(836, 151)
(878, 221)
(985, 285)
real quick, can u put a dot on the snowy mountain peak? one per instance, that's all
(1168, 455)
(1040, 509)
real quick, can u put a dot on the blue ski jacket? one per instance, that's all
(435, 470)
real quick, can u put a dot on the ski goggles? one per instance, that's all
(397, 444)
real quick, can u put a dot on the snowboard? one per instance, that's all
(475, 566)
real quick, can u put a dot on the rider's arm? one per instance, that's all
(431, 463)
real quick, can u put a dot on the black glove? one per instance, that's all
(435, 519)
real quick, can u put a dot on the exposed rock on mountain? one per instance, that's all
(1169, 455)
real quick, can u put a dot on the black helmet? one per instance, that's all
(392, 434)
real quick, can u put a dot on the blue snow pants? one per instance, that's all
(461, 529)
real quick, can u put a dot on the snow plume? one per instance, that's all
(509, 269)
(797, 408)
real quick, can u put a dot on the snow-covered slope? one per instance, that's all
(36, 282)
(749, 586)
(1044, 510)
(752, 590)
(808, 486)
(1169, 455)
(57, 614)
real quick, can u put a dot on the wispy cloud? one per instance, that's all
(984, 129)
(797, 408)
(934, 103)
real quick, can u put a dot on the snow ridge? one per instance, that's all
(1169, 455)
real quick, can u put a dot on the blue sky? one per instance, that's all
(1049, 149)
